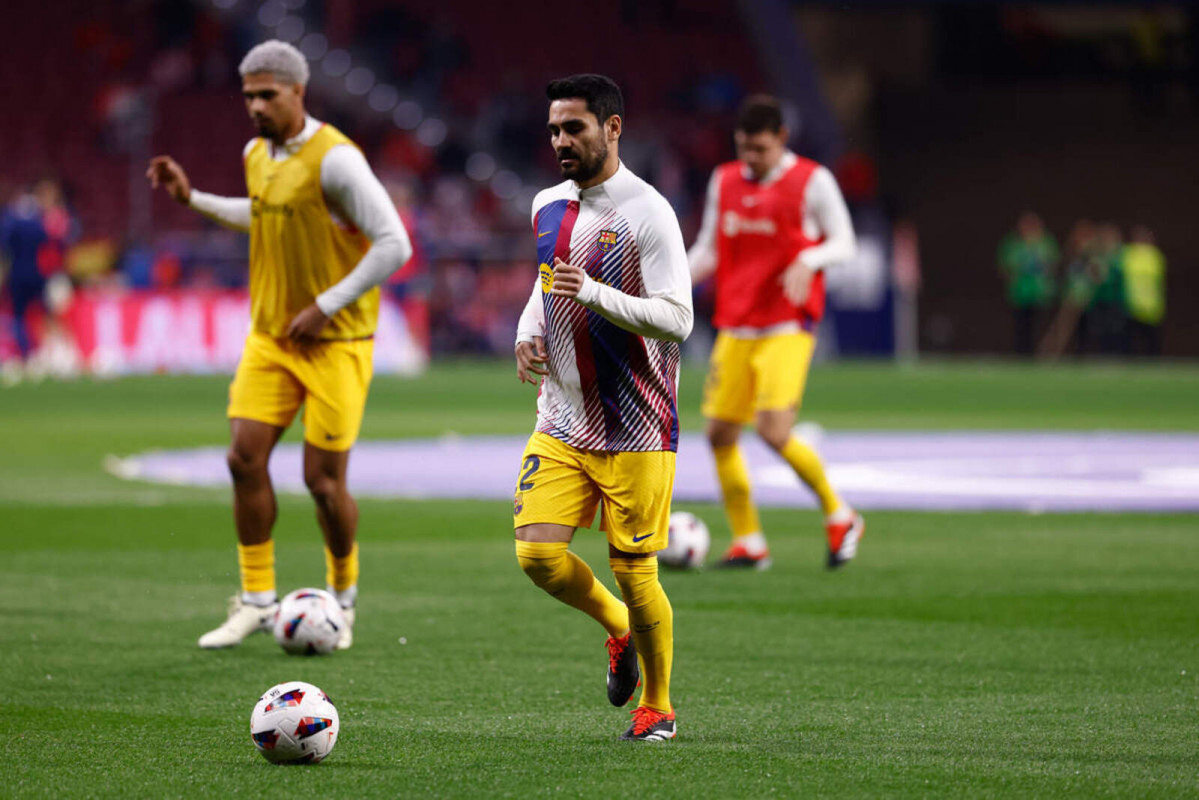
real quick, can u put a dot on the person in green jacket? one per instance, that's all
(1027, 259)
(1144, 269)
(1109, 322)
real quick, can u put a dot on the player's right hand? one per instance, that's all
(531, 361)
(164, 171)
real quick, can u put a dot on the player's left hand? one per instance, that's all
(796, 281)
(568, 279)
(307, 326)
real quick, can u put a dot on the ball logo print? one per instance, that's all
(266, 740)
(289, 626)
(311, 726)
(293, 698)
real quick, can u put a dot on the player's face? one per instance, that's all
(274, 107)
(579, 140)
(762, 151)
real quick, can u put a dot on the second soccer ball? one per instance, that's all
(309, 622)
(689, 542)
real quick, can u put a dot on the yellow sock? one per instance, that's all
(567, 577)
(652, 621)
(808, 467)
(341, 573)
(735, 488)
(256, 563)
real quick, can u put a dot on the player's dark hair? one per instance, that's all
(601, 93)
(760, 112)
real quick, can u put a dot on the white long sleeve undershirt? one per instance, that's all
(825, 214)
(354, 195)
(656, 317)
(661, 317)
(232, 212)
(532, 319)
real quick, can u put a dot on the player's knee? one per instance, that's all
(774, 435)
(245, 464)
(636, 577)
(722, 434)
(322, 486)
(543, 565)
(540, 571)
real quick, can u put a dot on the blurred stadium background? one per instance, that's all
(945, 123)
(1022, 179)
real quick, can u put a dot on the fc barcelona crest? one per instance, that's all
(607, 240)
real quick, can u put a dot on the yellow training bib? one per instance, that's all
(297, 250)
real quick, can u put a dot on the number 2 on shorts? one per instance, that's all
(531, 465)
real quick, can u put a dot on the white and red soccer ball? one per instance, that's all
(689, 542)
(294, 723)
(309, 622)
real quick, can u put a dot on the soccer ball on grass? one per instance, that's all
(689, 542)
(309, 622)
(294, 723)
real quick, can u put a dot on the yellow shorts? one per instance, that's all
(563, 485)
(746, 376)
(330, 379)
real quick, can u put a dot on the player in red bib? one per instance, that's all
(772, 223)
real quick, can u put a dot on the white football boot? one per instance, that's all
(243, 620)
(347, 633)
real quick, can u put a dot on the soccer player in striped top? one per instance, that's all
(772, 223)
(323, 236)
(611, 303)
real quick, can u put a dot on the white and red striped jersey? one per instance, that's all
(614, 350)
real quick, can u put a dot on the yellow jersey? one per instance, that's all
(297, 249)
(1145, 282)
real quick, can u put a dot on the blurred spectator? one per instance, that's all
(1107, 303)
(1144, 269)
(1077, 291)
(22, 235)
(1027, 258)
(34, 234)
(1084, 272)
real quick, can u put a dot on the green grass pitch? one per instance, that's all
(962, 655)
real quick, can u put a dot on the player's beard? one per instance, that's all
(585, 168)
(266, 127)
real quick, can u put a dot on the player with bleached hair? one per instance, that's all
(323, 236)
(773, 222)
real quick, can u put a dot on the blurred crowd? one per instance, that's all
(454, 127)
(459, 145)
(1104, 294)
